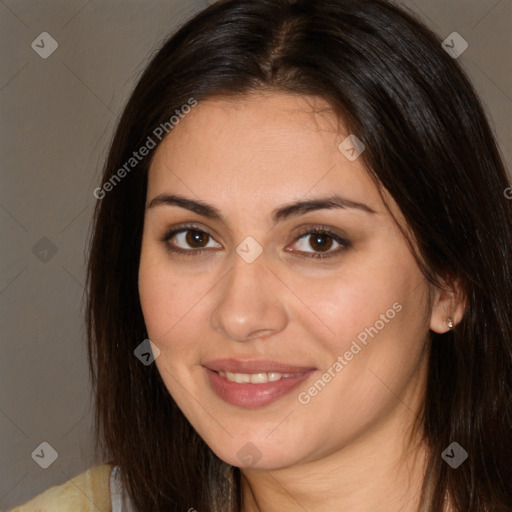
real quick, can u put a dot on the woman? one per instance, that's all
(299, 283)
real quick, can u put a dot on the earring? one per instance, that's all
(449, 323)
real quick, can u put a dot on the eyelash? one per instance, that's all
(345, 244)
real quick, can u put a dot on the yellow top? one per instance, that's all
(87, 492)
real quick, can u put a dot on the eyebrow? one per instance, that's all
(278, 215)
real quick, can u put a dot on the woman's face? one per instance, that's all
(293, 277)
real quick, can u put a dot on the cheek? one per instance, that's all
(380, 332)
(168, 299)
(170, 305)
(379, 357)
(341, 309)
(375, 317)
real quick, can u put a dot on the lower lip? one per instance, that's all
(253, 395)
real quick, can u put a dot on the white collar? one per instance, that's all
(119, 497)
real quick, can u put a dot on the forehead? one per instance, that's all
(263, 148)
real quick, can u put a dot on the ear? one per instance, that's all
(448, 305)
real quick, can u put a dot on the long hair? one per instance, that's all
(428, 143)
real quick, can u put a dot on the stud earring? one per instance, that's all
(449, 323)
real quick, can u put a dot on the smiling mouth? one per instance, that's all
(257, 378)
(254, 367)
(253, 384)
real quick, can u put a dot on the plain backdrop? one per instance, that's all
(57, 117)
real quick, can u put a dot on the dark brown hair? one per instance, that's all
(428, 143)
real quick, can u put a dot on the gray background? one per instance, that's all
(58, 115)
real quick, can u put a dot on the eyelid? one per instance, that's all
(323, 230)
(168, 235)
(184, 227)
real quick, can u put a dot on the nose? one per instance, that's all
(249, 302)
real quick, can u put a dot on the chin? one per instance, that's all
(252, 455)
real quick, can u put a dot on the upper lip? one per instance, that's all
(253, 366)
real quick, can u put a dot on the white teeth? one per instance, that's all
(241, 378)
(259, 378)
(255, 378)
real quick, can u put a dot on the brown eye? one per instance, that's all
(196, 239)
(189, 240)
(320, 241)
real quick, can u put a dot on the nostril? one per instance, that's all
(261, 333)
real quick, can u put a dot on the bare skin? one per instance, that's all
(350, 445)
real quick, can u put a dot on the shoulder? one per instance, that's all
(76, 495)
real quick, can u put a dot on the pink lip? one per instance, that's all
(253, 395)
